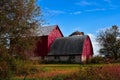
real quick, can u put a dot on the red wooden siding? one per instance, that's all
(87, 49)
(43, 45)
(55, 33)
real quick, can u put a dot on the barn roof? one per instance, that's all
(77, 33)
(68, 45)
(44, 31)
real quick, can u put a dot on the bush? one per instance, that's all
(103, 72)
(9, 66)
(97, 59)
(5, 71)
(6, 66)
(24, 67)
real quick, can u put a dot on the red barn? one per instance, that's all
(75, 48)
(47, 35)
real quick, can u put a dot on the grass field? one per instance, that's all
(74, 72)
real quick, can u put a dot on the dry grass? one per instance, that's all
(75, 72)
(51, 70)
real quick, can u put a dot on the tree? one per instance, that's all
(18, 23)
(109, 39)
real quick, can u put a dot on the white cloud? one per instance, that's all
(102, 29)
(86, 3)
(108, 1)
(97, 9)
(111, 4)
(105, 5)
(118, 37)
(76, 13)
(50, 12)
(83, 3)
(56, 11)
(95, 44)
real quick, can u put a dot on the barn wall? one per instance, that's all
(41, 46)
(78, 59)
(64, 58)
(73, 59)
(55, 33)
(87, 49)
(49, 58)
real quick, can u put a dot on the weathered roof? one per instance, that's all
(67, 45)
(44, 31)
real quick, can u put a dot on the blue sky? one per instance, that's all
(88, 16)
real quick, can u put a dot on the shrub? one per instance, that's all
(5, 71)
(103, 72)
(6, 66)
(97, 59)
(10, 66)
(24, 67)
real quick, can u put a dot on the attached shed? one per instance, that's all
(76, 48)
(46, 37)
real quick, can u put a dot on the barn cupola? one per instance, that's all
(77, 33)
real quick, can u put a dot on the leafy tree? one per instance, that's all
(18, 23)
(109, 39)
